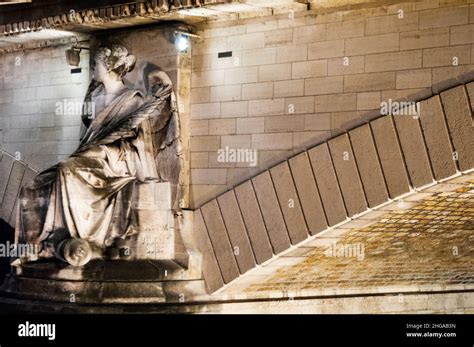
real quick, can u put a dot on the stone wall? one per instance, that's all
(31, 83)
(295, 79)
(337, 183)
(292, 80)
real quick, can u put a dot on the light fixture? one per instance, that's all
(182, 40)
(73, 55)
(182, 43)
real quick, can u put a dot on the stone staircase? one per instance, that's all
(323, 186)
(14, 174)
(334, 181)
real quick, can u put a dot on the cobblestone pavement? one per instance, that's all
(430, 243)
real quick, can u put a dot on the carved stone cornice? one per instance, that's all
(140, 12)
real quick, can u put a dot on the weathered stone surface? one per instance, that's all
(299, 105)
(253, 220)
(462, 34)
(424, 39)
(28, 176)
(390, 156)
(234, 109)
(12, 190)
(199, 127)
(327, 184)
(323, 85)
(445, 56)
(326, 49)
(345, 30)
(208, 176)
(226, 93)
(308, 193)
(262, 90)
(470, 92)
(372, 44)
(279, 124)
(205, 111)
(308, 69)
(286, 54)
(347, 174)
(459, 119)
(220, 241)
(6, 163)
(409, 79)
(275, 72)
(250, 125)
(443, 17)
(368, 101)
(335, 102)
(369, 82)
(437, 138)
(380, 256)
(368, 164)
(241, 75)
(451, 76)
(393, 61)
(414, 150)
(210, 268)
(153, 196)
(354, 65)
(266, 107)
(278, 37)
(346, 73)
(116, 270)
(278, 141)
(205, 143)
(236, 231)
(288, 88)
(104, 292)
(289, 202)
(271, 212)
(224, 126)
(389, 24)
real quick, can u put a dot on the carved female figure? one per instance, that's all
(132, 138)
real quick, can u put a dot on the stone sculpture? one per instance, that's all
(89, 205)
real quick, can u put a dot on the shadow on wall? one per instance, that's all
(7, 234)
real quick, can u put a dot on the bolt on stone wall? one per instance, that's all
(32, 82)
(295, 79)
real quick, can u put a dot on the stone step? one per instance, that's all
(109, 271)
(364, 167)
(101, 292)
(408, 303)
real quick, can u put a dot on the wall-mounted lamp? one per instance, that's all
(182, 40)
(73, 55)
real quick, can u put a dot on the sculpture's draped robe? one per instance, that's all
(88, 195)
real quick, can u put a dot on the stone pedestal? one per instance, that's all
(169, 272)
(156, 229)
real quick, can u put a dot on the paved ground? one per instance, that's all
(426, 241)
(432, 242)
(415, 255)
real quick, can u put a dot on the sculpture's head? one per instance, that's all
(113, 62)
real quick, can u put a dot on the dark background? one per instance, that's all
(7, 233)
